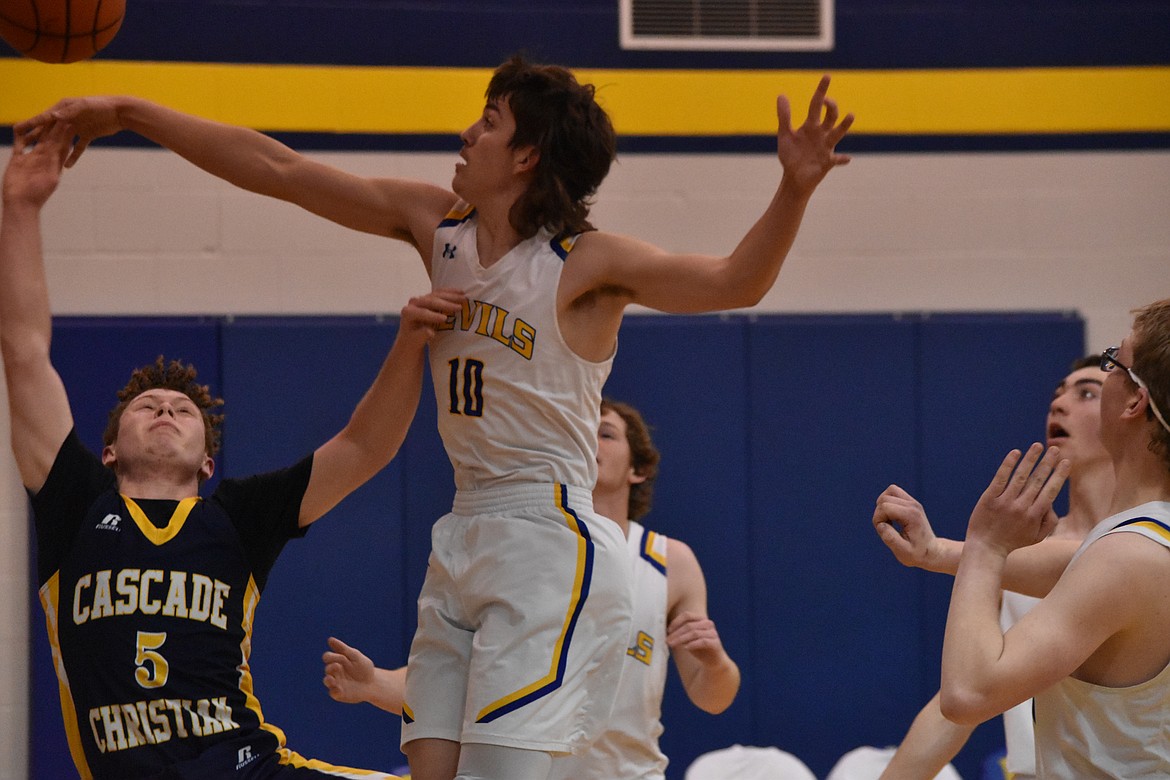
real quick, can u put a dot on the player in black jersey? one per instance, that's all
(149, 590)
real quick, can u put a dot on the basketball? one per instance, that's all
(60, 31)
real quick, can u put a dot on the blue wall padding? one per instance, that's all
(292, 385)
(832, 424)
(777, 434)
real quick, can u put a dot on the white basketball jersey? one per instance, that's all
(1091, 731)
(628, 748)
(515, 404)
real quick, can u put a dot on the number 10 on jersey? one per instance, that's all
(469, 401)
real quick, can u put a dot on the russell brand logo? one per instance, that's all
(244, 757)
(109, 523)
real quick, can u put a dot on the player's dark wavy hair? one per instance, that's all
(576, 141)
(176, 376)
(644, 456)
(1151, 362)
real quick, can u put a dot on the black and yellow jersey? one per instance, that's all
(149, 606)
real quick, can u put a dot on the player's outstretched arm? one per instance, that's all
(401, 209)
(382, 418)
(709, 676)
(695, 283)
(38, 406)
(352, 678)
(901, 523)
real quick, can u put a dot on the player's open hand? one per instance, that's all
(349, 674)
(34, 169)
(901, 522)
(90, 118)
(1016, 509)
(808, 152)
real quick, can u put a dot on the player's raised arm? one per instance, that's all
(38, 406)
(397, 208)
(675, 282)
(382, 418)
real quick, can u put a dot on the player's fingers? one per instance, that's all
(889, 534)
(896, 491)
(817, 102)
(1000, 481)
(1055, 479)
(838, 132)
(75, 155)
(33, 122)
(337, 645)
(783, 115)
(1024, 477)
(830, 118)
(57, 136)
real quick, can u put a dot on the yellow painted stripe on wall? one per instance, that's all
(641, 102)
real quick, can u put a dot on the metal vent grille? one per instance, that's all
(778, 25)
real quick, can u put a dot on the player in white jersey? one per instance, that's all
(669, 611)
(535, 681)
(1073, 424)
(1094, 652)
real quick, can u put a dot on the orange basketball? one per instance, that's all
(60, 30)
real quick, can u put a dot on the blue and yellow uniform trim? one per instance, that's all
(578, 596)
(562, 246)
(457, 216)
(1147, 526)
(650, 554)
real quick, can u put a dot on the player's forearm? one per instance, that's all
(1031, 570)
(244, 157)
(973, 642)
(25, 318)
(713, 685)
(387, 690)
(381, 420)
(928, 746)
(943, 557)
(755, 264)
(1034, 570)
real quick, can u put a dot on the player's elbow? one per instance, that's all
(714, 696)
(964, 706)
(715, 706)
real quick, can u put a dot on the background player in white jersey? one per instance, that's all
(507, 679)
(1073, 424)
(1095, 652)
(670, 611)
(149, 590)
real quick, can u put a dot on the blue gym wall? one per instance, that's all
(777, 434)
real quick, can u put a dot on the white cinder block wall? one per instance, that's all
(142, 232)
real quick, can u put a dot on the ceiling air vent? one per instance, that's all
(727, 25)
